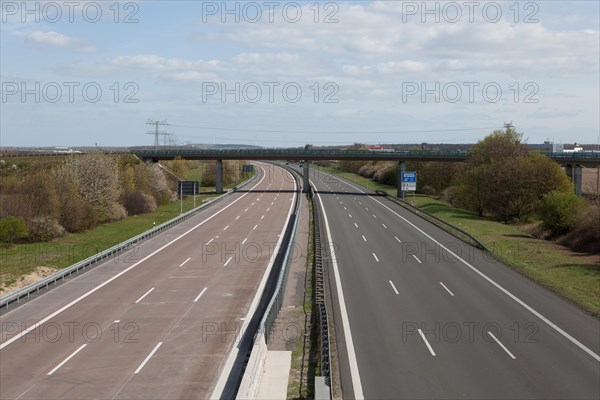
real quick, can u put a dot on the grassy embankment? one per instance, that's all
(572, 275)
(23, 259)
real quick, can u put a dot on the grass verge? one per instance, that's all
(572, 275)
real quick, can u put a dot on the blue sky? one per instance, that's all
(370, 72)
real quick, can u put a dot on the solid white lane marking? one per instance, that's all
(351, 353)
(356, 225)
(399, 241)
(228, 366)
(255, 226)
(501, 345)
(67, 359)
(227, 262)
(426, 342)
(244, 241)
(148, 358)
(394, 287)
(417, 259)
(448, 290)
(200, 295)
(492, 282)
(144, 295)
(384, 226)
(364, 238)
(226, 228)
(183, 263)
(375, 256)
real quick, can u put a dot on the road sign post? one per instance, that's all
(408, 181)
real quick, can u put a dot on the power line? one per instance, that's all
(156, 132)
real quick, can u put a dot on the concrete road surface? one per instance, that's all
(422, 315)
(160, 322)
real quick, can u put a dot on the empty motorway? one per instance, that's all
(420, 314)
(160, 322)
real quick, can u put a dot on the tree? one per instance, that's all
(12, 228)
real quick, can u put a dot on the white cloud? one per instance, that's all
(56, 39)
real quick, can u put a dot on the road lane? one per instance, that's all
(389, 329)
(182, 297)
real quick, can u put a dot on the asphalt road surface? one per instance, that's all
(420, 314)
(160, 322)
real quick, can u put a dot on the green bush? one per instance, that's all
(12, 228)
(559, 211)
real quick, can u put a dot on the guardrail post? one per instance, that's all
(219, 176)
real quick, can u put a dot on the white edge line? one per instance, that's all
(492, 282)
(83, 296)
(183, 263)
(394, 287)
(426, 342)
(448, 290)
(501, 345)
(67, 359)
(144, 295)
(221, 382)
(148, 357)
(200, 295)
(354, 374)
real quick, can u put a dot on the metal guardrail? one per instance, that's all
(44, 283)
(272, 311)
(416, 210)
(325, 344)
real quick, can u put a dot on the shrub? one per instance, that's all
(560, 210)
(42, 229)
(585, 232)
(139, 202)
(12, 228)
(428, 190)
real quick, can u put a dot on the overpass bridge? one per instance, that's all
(573, 162)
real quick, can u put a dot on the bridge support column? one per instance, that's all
(305, 177)
(401, 168)
(219, 176)
(575, 173)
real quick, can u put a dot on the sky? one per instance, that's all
(288, 73)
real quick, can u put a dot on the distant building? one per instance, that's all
(546, 146)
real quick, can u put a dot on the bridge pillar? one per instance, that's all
(575, 173)
(219, 176)
(400, 170)
(305, 177)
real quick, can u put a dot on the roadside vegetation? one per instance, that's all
(55, 212)
(519, 205)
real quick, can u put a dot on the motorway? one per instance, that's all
(160, 322)
(420, 314)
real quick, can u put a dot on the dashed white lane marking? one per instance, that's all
(238, 217)
(200, 295)
(350, 215)
(394, 287)
(255, 226)
(116, 321)
(244, 241)
(268, 209)
(417, 259)
(364, 238)
(345, 209)
(144, 295)
(356, 225)
(399, 241)
(262, 216)
(448, 290)
(501, 345)
(374, 216)
(210, 241)
(226, 228)
(227, 262)
(384, 226)
(245, 210)
(183, 263)
(375, 257)
(67, 359)
(426, 342)
(148, 358)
